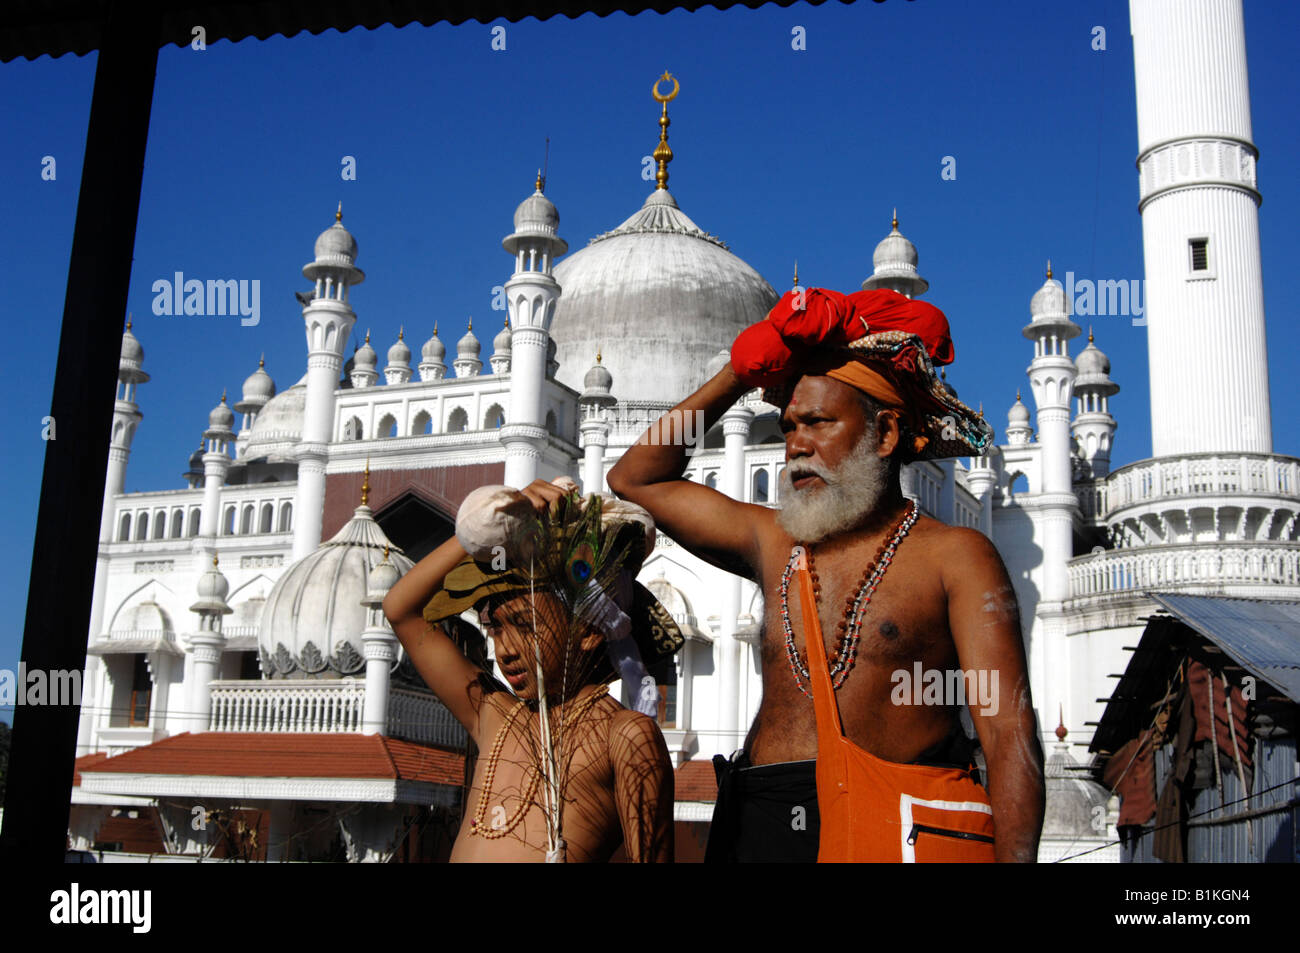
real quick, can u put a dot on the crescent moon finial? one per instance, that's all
(663, 154)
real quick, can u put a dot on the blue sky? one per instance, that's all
(784, 154)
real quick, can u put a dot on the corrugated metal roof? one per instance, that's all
(32, 28)
(1262, 635)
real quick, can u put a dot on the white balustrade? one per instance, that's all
(1190, 567)
(1197, 475)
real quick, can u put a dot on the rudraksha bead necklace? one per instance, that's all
(854, 606)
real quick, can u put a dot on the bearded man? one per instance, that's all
(851, 571)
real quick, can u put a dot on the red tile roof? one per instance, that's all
(696, 781)
(231, 754)
(83, 763)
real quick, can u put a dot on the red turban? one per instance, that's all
(806, 321)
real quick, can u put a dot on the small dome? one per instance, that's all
(259, 387)
(213, 585)
(146, 616)
(1018, 415)
(894, 264)
(469, 346)
(221, 417)
(131, 349)
(537, 213)
(382, 578)
(1072, 799)
(598, 378)
(279, 425)
(716, 364)
(1049, 300)
(196, 461)
(501, 343)
(399, 353)
(434, 350)
(1092, 361)
(336, 246)
(365, 358)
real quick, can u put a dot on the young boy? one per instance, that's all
(564, 771)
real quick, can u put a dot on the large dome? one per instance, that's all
(658, 297)
(279, 425)
(313, 619)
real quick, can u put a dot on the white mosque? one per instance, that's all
(245, 696)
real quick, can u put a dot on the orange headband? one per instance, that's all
(860, 376)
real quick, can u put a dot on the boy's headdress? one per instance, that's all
(585, 553)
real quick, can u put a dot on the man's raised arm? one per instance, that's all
(708, 523)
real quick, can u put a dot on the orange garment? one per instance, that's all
(878, 811)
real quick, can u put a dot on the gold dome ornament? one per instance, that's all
(663, 154)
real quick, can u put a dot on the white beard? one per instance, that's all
(851, 493)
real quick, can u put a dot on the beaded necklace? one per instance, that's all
(854, 606)
(476, 826)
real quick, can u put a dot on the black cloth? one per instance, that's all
(765, 813)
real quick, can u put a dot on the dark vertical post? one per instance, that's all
(38, 789)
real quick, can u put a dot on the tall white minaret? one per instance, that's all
(328, 318)
(531, 294)
(217, 440)
(1051, 377)
(1200, 229)
(1094, 427)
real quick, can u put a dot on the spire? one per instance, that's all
(1017, 393)
(261, 361)
(365, 485)
(598, 357)
(1090, 334)
(338, 216)
(401, 328)
(894, 223)
(1061, 730)
(796, 272)
(470, 326)
(435, 328)
(223, 395)
(128, 321)
(1049, 268)
(367, 335)
(662, 154)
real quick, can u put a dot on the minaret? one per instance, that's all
(531, 294)
(207, 643)
(258, 389)
(981, 476)
(468, 348)
(894, 265)
(1200, 229)
(328, 318)
(1019, 433)
(398, 370)
(595, 425)
(216, 464)
(1051, 375)
(1094, 427)
(380, 646)
(364, 362)
(433, 355)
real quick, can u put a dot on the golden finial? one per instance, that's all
(261, 361)
(365, 485)
(223, 395)
(597, 357)
(505, 321)
(538, 186)
(401, 329)
(943, 374)
(435, 329)
(981, 410)
(1017, 395)
(128, 321)
(214, 560)
(1049, 268)
(338, 216)
(471, 325)
(662, 154)
(796, 272)
(367, 335)
(385, 552)
(1061, 730)
(894, 223)
(1090, 334)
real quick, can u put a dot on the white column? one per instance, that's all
(207, 661)
(735, 429)
(523, 434)
(595, 438)
(215, 467)
(380, 646)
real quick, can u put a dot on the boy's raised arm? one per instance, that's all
(643, 788)
(453, 678)
(708, 523)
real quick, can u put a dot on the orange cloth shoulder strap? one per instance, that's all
(828, 711)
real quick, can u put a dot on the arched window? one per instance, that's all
(268, 515)
(142, 527)
(387, 426)
(352, 429)
(246, 520)
(1018, 484)
(194, 521)
(286, 517)
(160, 525)
(495, 418)
(458, 422)
(779, 477)
(178, 524)
(552, 426)
(124, 528)
(711, 481)
(228, 522)
(422, 423)
(760, 486)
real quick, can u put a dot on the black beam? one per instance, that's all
(65, 550)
